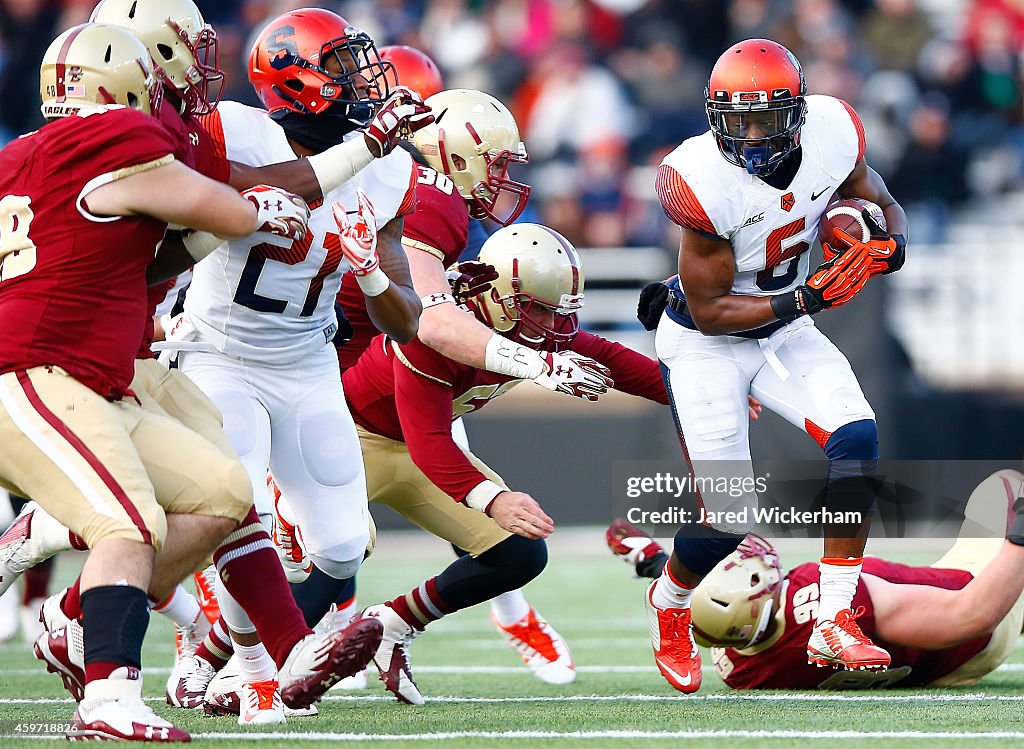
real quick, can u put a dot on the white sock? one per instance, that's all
(343, 616)
(510, 607)
(256, 663)
(181, 607)
(123, 682)
(838, 585)
(670, 594)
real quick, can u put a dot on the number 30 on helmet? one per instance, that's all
(755, 104)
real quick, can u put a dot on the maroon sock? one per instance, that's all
(421, 606)
(217, 648)
(71, 605)
(252, 573)
(37, 582)
(77, 542)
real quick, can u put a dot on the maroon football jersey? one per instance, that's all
(195, 149)
(784, 664)
(439, 226)
(412, 393)
(82, 304)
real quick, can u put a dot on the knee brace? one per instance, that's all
(852, 451)
(338, 569)
(700, 548)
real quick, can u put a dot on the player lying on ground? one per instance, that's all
(748, 195)
(944, 625)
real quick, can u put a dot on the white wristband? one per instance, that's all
(338, 164)
(505, 357)
(481, 495)
(432, 300)
(201, 243)
(373, 283)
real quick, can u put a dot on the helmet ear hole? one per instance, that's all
(294, 85)
(459, 162)
(165, 51)
(133, 101)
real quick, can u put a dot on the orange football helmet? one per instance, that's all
(412, 69)
(290, 66)
(755, 104)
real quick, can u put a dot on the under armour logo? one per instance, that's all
(156, 733)
(266, 205)
(563, 371)
(438, 297)
(193, 138)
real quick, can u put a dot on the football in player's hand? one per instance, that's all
(849, 219)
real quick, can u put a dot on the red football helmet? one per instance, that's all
(755, 104)
(413, 69)
(290, 66)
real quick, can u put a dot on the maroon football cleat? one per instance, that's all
(123, 719)
(318, 662)
(63, 652)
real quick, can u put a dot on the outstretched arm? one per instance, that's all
(930, 618)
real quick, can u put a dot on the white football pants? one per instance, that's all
(796, 372)
(293, 419)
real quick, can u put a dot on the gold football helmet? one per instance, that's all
(182, 44)
(538, 290)
(97, 64)
(474, 139)
(733, 605)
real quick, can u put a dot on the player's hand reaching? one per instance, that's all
(576, 375)
(399, 117)
(469, 279)
(278, 211)
(887, 251)
(520, 513)
(358, 235)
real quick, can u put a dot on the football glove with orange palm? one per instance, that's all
(887, 251)
(833, 284)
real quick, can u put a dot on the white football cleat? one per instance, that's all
(51, 615)
(188, 682)
(224, 692)
(392, 657)
(63, 652)
(124, 719)
(288, 541)
(842, 644)
(540, 646)
(261, 704)
(318, 662)
(188, 637)
(33, 537)
(675, 650)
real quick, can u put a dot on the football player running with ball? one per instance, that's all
(748, 196)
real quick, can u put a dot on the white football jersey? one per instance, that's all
(262, 298)
(770, 229)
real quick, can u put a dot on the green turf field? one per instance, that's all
(481, 696)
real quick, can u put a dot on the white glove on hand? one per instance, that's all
(576, 375)
(358, 235)
(278, 211)
(399, 117)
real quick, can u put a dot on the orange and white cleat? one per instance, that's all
(288, 540)
(840, 643)
(541, 647)
(206, 594)
(260, 704)
(675, 650)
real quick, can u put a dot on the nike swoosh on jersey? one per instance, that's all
(815, 196)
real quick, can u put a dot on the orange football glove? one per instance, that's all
(833, 284)
(887, 251)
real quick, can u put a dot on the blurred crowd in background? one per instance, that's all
(602, 89)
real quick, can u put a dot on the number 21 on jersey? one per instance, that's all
(17, 250)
